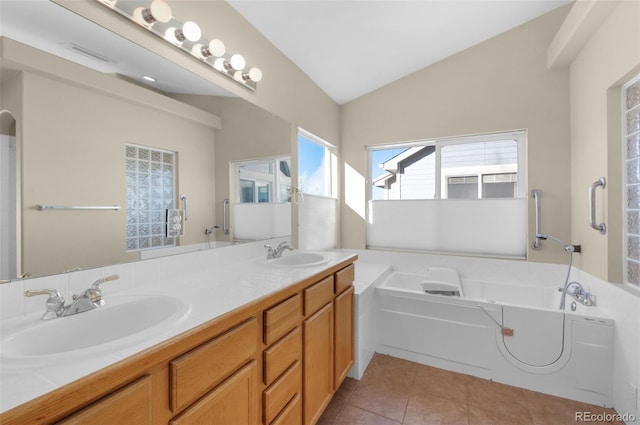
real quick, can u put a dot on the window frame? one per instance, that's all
(626, 184)
(330, 162)
(519, 136)
(166, 240)
(273, 185)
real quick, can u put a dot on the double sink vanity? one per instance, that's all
(228, 340)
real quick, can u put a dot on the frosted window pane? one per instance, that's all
(633, 197)
(131, 151)
(631, 138)
(149, 177)
(633, 272)
(633, 171)
(633, 146)
(633, 222)
(633, 121)
(132, 244)
(633, 247)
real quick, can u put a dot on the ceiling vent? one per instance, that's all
(88, 52)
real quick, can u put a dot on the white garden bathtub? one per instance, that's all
(510, 333)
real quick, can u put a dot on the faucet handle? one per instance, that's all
(54, 303)
(33, 292)
(98, 283)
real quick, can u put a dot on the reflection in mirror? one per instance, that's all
(264, 180)
(260, 204)
(9, 259)
(73, 127)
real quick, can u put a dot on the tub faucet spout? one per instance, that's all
(576, 290)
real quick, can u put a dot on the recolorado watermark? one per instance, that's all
(604, 417)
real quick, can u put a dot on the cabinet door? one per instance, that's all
(344, 337)
(234, 401)
(129, 405)
(318, 363)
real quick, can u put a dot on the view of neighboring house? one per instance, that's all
(467, 171)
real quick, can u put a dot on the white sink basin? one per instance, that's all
(123, 320)
(300, 259)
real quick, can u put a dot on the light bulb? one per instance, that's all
(199, 51)
(219, 64)
(255, 74)
(171, 35)
(138, 18)
(216, 47)
(238, 76)
(159, 11)
(237, 62)
(191, 31)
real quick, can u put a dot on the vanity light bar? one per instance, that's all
(156, 16)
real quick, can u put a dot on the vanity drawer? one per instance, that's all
(199, 370)
(291, 414)
(276, 397)
(232, 402)
(129, 405)
(318, 295)
(281, 355)
(345, 278)
(280, 319)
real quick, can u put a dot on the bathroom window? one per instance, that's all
(486, 166)
(462, 195)
(151, 179)
(265, 180)
(631, 141)
(316, 165)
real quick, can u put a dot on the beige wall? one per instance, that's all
(72, 133)
(606, 61)
(500, 84)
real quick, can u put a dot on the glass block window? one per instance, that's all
(631, 141)
(151, 178)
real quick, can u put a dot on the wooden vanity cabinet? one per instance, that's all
(344, 322)
(343, 336)
(201, 369)
(275, 361)
(232, 402)
(129, 405)
(318, 363)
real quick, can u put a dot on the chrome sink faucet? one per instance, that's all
(89, 299)
(277, 252)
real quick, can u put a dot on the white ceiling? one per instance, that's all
(350, 48)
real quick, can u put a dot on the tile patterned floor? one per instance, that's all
(395, 391)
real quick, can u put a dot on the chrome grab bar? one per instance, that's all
(601, 227)
(535, 194)
(225, 225)
(183, 198)
(41, 207)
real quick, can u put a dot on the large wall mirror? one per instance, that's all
(87, 132)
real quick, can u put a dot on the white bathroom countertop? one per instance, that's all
(209, 294)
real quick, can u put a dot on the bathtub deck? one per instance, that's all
(393, 391)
